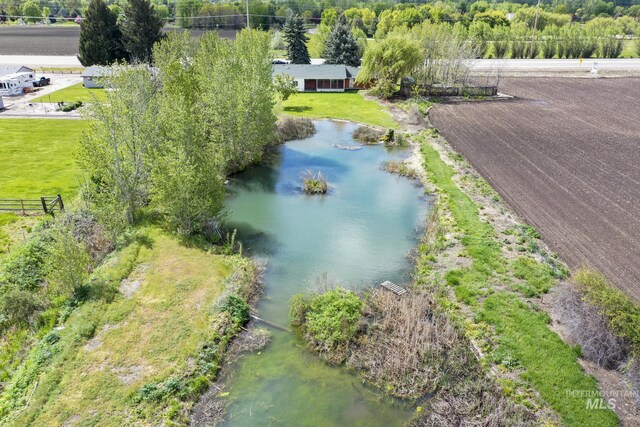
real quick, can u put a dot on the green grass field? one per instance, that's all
(37, 157)
(342, 105)
(72, 94)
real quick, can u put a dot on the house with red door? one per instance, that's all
(320, 78)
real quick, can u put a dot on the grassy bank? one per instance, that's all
(37, 157)
(515, 335)
(72, 94)
(342, 105)
(146, 343)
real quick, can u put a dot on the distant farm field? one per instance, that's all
(54, 39)
(565, 156)
(38, 157)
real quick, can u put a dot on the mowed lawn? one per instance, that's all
(38, 157)
(72, 94)
(341, 105)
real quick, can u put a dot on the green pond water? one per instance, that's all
(357, 235)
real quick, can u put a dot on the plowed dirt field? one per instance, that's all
(565, 154)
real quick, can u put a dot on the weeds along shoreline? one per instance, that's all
(485, 284)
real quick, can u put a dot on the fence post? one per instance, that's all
(44, 205)
(60, 201)
(22, 206)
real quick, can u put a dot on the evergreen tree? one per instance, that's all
(294, 34)
(141, 28)
(100, 37)
(341, 47)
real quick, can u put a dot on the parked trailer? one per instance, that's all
(1, 104)
(15, 84)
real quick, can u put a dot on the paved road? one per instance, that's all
(559, 65)
(41, 61)
(523, 65)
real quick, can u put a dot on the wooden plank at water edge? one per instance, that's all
(398, 290)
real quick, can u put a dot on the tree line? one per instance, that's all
(105, 39)
(167, 136)
(339, 46)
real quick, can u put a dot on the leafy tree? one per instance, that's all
(285, 85)
(141, 29)
(294, 34)
(32, 11)
(341, 47)
(168, 137)
(114, 149)
(386, 61)
(68, 262)
(100, 37)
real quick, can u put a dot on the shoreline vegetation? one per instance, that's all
(176, 316)
(480, 290)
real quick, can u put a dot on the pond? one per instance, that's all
(358, 235)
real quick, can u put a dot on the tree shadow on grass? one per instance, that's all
(297, 109)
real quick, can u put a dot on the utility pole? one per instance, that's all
(248, 14)
(535, 27)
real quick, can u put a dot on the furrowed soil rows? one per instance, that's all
(565, 154)
(56, 40)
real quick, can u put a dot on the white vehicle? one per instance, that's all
(14, 84)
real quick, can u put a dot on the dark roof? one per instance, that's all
(311, 71)
(13, 69)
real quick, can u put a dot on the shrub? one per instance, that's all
(331, 318)
(18, 307)
(70, 107)
(367, 135)
(25, 266)
(590, 330)
(389, 137)
(400, 168)
(237, 309)
(290, 128)
(622, 314)
(314, 183)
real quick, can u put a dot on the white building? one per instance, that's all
(91, 77)
(320, 78)
(6, 69)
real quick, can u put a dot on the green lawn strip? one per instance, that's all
(37, 157)
(138, 360)
(342, 105)
(72, 94)
(538, 278)
(550, 365)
